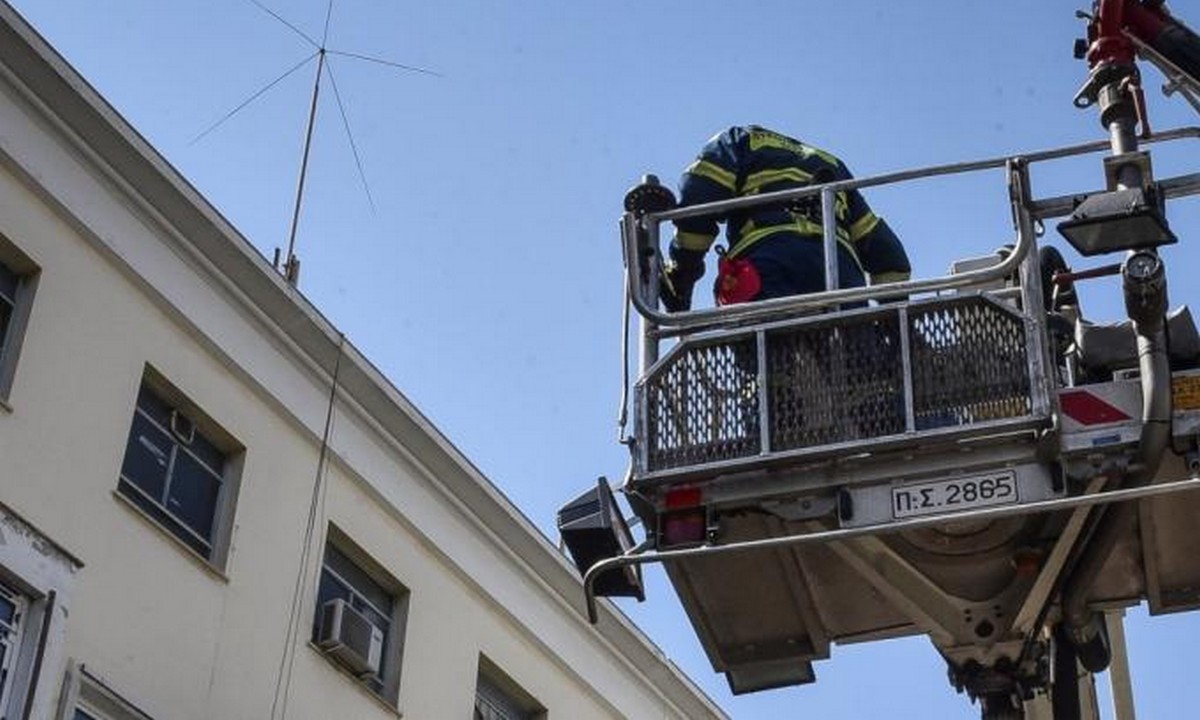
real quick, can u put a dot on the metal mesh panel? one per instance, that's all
(703, 406)
(835, 384)
(970, 364)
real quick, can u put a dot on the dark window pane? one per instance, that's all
(362, 583)
(8, 302)
(193, 494)
(331, 588)
(207, 453)
(5, 319)
(8, 610)
(81, 715)
(3, 673)
(147, 457)
(155, 407)
(9, 281)
(160, 515)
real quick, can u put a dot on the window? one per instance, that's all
(350, 576)
(177, 469)
(17, 280)
(87, 697)
(498, 697)
(12, 621)
(9, 282)
(36, 576)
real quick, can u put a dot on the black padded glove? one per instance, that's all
(679, 277)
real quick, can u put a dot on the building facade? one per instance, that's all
(212, 506)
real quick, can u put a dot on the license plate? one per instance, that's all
(930, 498)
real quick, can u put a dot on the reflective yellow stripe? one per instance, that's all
(841, 206)
(863, 226)
(801, 226)
(765, 138)
(760, 139)
(714, 172)
(694, 241)
(757, 180)
(889, 277)
(822, 154)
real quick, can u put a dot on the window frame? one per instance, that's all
(84, 691)
(392, 658)
(185, 418)
(26, 274)
(495, 687)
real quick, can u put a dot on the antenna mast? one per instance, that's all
(291, 266)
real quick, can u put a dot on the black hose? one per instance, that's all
(1181, 46)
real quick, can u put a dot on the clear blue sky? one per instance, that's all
(487, 280)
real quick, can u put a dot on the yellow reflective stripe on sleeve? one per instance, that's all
(756, 181)
(714, 172)
(889, 277)
(863, 226)
(694, 241)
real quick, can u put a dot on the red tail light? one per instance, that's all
(683, 497)
(683, 527)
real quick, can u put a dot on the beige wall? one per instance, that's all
(121, 289)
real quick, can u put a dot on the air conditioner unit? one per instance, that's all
(350, 638)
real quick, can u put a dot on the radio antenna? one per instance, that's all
(290, 268)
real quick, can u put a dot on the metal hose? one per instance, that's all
(1145, 302)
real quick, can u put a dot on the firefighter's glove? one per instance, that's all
(679, 277)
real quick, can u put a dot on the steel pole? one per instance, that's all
(829, 227)
(1120, 681)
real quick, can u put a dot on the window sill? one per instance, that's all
(204, 563)
(341, 671)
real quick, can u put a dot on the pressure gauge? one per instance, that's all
(1142, 266)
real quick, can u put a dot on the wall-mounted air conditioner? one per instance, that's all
(351, 638)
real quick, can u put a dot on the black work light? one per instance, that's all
(1127, 219)
(593, 529)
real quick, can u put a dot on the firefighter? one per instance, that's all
(774, 250)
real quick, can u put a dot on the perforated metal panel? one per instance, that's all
(970, 364)
(837, 380)
(835, 383)
(704, 406)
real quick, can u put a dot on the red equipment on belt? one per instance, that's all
(738, 281)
